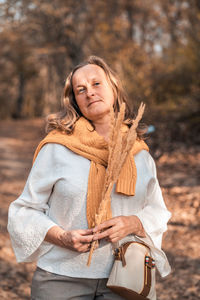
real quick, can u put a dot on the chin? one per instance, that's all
(96, 117)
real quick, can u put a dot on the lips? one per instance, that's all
(93, 102)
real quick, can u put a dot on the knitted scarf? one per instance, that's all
(86, 142)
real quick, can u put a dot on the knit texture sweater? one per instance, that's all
(85, 141)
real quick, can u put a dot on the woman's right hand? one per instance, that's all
(76, 240)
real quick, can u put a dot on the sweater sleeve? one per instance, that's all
(28, 220)
(154, 217)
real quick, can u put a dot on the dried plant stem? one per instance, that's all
(98, 218)
(93, 245)
(119, 147)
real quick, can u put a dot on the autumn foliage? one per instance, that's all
(153, 45)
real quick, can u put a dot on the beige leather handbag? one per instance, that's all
(133, 272)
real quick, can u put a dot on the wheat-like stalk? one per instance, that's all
(119, 147)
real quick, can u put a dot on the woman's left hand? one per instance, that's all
(118, 227)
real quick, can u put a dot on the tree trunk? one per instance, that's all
(20, 99)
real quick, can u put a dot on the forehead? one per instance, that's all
(86, 73)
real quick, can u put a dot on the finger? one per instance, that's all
(114, 235)
(75, 247)
(85, 231)
(85, 248)
(104, 234)
(114, 240)
(104, 225)
(88, 231)
(86, 239)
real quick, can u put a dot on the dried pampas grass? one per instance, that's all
(119, 146)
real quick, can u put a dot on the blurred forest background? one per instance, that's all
(154, 46)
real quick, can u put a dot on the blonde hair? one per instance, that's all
(65, 119)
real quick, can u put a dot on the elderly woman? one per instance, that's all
(52, 222)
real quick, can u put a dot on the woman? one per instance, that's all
(53, 219)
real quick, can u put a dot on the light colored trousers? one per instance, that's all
(50, 286)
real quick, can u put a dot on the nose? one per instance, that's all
(90, 92)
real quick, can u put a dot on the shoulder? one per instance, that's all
(51, 152)
(144, 155)
(52, 148)
(145, 159)
(53, 137)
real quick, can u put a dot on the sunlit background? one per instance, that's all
(154, 46)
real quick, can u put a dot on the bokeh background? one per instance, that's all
(154, 46)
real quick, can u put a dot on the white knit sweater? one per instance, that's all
(55, 194)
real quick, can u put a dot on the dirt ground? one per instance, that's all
(179, 179)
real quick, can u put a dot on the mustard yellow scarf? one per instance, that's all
(86, 142)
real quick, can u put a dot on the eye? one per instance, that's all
(81, 90)
(96, 83)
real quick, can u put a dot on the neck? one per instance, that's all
(102, 128)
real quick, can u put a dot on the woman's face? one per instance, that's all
(93, 92)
